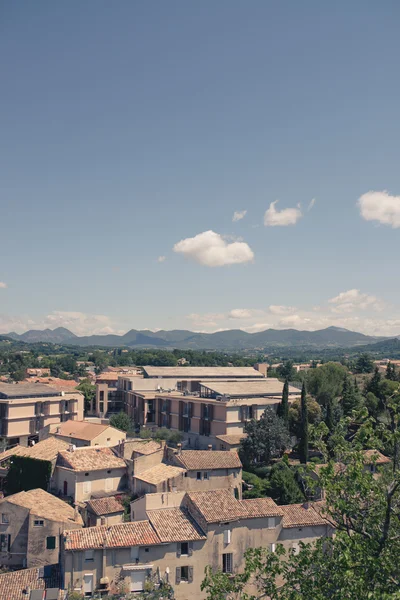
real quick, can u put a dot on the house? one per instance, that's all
(30, 528)
(219, 407)
(104, 511)
(41, 372)
(176, 535)
(26, 408)
(85, 433)
(36, 583)
(230, 441)
(47, 449)
(89, 472)
(375, 460)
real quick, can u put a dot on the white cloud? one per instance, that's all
(212, 250)
(77, 322)
(353, 300)
(2, 285)
(310, 206)
(281, 218)
(242, 313)
(238, 215)
(277, 309)
(256, 327)
(161, 259)
(294, 321)
(381, 207)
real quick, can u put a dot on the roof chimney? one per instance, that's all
(179, 446)
(209, 447)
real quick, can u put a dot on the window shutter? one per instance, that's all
(178, 575)
(178, 550)
(210, 412)
(254, 407)
(190, 574)
(181, 415)
(190, 410)
(190, 548)
(227, 536)
(272, 547)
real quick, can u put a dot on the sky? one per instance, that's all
(199, 165)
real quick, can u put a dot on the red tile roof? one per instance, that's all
(122, 535)
(175, 525)
(13, 585)
(217, 505)
(208, 459)
(262, 507)
(105, 506)
(90, 459)
(302, 515)
(375, 457)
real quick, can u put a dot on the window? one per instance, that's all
(5, 542)
(87, 487)
(227, 562)
(184, 548)
(4, 518)
(38, 523)
(271, 523)
(198, 475)
(205, 475)
(109, 471)
(135, 553)
(89, 555)
(147, 549)
(185, 474)
(51, 542)
(184, 573)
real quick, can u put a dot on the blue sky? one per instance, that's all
(129, 128)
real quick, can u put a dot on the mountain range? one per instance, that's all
(232, 339)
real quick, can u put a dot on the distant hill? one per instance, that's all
(389, 348)
(233, 339)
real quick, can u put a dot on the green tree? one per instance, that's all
(283, 486)
(121, 421)
(89, 392)
(391, 372)
(303, 444)
(351, 399)
(326, 382)
(266, 438)
(283, 408)
(374, 384)
(314, 415)
(364, 364)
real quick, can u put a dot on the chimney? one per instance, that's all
(71, 448)
(209, 447)
(102, 520)
(306, 505)
(76, 514)
(179, 446)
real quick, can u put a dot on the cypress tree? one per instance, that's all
(303, 444)
(329, 416)
(283, 408)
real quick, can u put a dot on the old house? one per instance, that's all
(103, 511)
(85, 433)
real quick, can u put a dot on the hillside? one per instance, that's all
(233, 339)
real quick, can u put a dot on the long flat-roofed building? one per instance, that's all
(26, 408)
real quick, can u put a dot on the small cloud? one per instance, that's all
(213, 250)
(3, 285)
(256, 327)
(161, 259)
(278, 309)
(238, 215)
(294, 321)
(381, 207)
(311, 204)
(281, 218)
(352, 300)
(241, 313)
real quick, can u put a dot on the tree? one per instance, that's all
(283, 486)
(266, 438)
(286, 371)
(283, 408)
(360, 561)
(391, 372)
(364, 364)
(314, 415)
(350, 400)
(326, 382)
(303, 444)
(374, 384)
(121, 421)
(89, 392)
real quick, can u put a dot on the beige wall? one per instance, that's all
(92, 520)
(100, 481)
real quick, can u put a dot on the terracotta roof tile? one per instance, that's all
(232, 438)
(140, 447)
(44, 505)
(175, 525)
(12, 585)
(82, 430)
(159, 473)
(217, 505)
(105, 506)
(47, 449)
(208, 459)
(374, 456)
(90, 459)
(122, 535)
(299, 515)
(262, 507)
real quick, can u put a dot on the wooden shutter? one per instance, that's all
(160, 403)
(178, 575)
(191, 407)
(190, 574)
(190, 548)
(178, 550)
(210, 412)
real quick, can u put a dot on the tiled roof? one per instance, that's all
(301, 515)
(24, 390)
(208, 459)
(47, 449)
(201, 372)
(107, 377)
(217, 505)
(81, 430)
(55, 382)
(374, 456)
(13, 584)
(140, 447)
(262, 507)
(175, 525)
(232, 438)
(159, 473)
(90, 459)
(122, 535)
(44, 505)
(105, 506)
